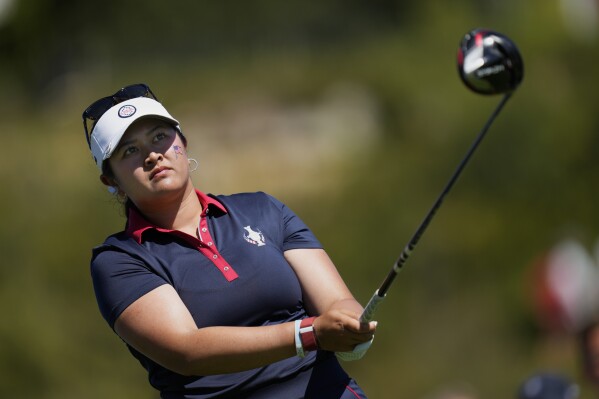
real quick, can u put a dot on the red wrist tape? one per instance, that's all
(308, 335)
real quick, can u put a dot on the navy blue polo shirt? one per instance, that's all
(235, 274)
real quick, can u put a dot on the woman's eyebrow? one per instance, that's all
(130, 141)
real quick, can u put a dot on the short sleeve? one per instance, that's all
(119, 279)
(296, 233)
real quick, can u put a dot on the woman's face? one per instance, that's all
(150, 163)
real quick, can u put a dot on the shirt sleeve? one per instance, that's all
(119, 279)
(296, 233)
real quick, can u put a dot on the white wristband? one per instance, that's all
(299, 348)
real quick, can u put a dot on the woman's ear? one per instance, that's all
(107, 181)
(113, 187)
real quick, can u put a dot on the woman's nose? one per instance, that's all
(153, 158)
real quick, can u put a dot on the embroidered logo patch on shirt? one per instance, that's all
(254, 237)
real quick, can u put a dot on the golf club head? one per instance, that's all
(489, 62)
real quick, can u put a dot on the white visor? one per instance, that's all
(111, 127)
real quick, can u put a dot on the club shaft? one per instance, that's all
(380, 293)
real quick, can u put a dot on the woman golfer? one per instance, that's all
(216, 296)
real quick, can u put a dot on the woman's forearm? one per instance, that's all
(218, 350)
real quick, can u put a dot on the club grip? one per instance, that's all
(368, 313)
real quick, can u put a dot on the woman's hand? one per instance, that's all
(340, 330)
(338, 327)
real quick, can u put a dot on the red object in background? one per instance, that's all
(565, 288)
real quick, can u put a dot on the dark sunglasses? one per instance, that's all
(94, 112)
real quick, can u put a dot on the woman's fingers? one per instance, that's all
(339, 330)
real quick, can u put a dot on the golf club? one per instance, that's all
(488, 63)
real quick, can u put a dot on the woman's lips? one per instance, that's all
(158, 172)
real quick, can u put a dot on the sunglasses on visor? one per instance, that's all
(94, 112)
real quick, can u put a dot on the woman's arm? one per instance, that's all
(159, 325)
(337, 326)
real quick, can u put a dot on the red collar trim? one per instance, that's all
(137, 224)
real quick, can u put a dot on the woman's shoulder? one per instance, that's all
(246, 199)
(241, 195)
(119, 237)
(120, 241)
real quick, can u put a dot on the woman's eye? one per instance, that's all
(129, 150)
(159, 136)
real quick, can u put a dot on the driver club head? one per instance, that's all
(489, 62)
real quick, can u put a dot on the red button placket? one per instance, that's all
(209, 250)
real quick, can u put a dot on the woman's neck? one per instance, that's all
(182, 212)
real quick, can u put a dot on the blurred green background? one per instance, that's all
(352, 112)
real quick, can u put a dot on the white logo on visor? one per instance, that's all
(254, 237)
(126, 111)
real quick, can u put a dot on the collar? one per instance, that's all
(137, 224)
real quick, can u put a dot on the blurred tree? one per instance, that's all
(41, 40)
